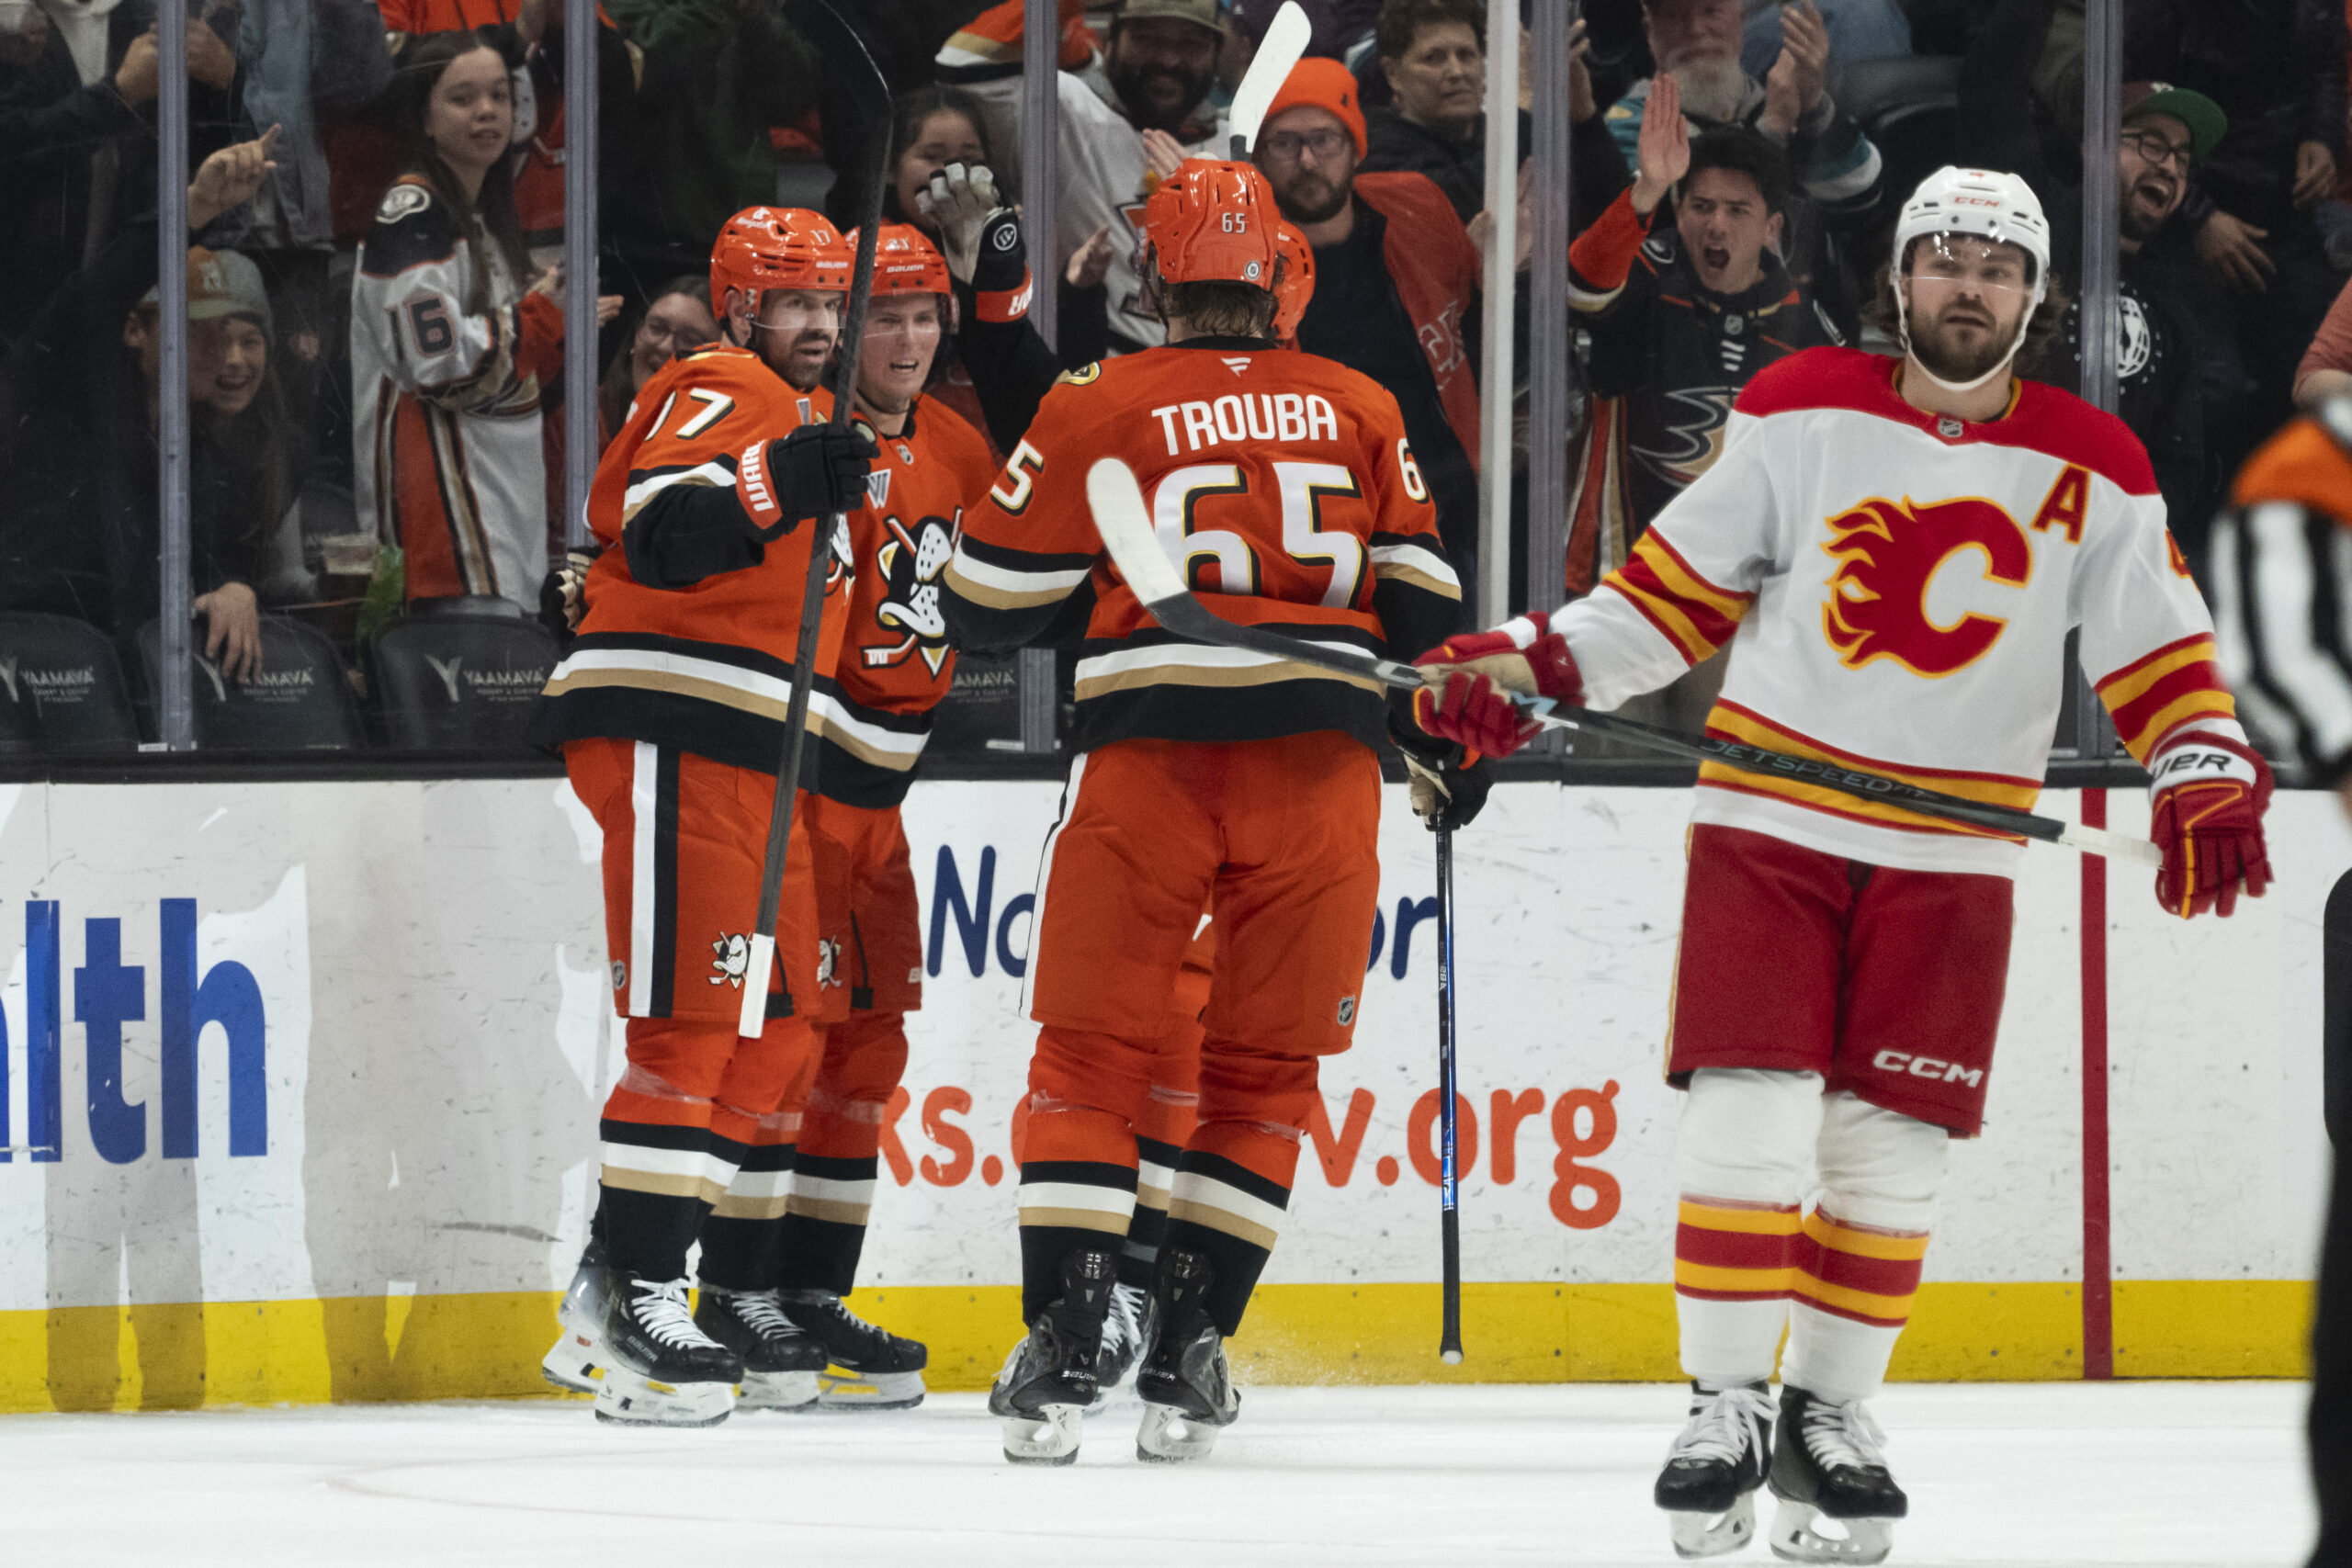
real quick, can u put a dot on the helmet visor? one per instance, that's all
(1948, 264)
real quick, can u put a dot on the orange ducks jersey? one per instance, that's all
(704, 665)
(1282, 485)
(894, 662)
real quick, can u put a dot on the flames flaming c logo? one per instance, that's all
(1887, 554)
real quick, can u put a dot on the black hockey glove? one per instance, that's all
(1444, 792)
(817, 470)
(563, 596)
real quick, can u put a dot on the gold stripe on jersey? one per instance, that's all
(1193, 664)
(1001, 587)
(718, 473)
(1730, 722)
(1422, 567)
(650, 670)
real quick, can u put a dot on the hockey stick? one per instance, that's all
(833, 38)
(1279, 51)
(1125, 523)
(1449, 1205)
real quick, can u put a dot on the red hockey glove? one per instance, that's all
(1473, 677)
(2210, 793)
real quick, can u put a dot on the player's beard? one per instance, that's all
(1308, 197)
(1932, 346)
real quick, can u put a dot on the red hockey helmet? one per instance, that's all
(776, 247)
(904, 261)
(1297, 286)
(1213, 221)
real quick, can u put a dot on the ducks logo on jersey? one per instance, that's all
(912, 562)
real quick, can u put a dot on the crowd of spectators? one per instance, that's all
(376, 216)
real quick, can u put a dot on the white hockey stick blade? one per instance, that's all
(755, 1017)
(2114, 846)
(1278, 52)
(1125, 523)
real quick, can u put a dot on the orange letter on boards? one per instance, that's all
(902, 1169)
(947, 1135)
(2063, 505)
(1570, 1175)
(1504, 1113)
(1339, 1156)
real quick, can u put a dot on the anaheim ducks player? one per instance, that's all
(669, 709)
(1896, 550)
(894, 665)
(1204, 777)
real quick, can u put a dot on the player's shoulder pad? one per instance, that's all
(1822, 378)
(951, 435)
(412, 227)
(2063, 426)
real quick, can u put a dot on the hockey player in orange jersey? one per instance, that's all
(1284, 487)
(894, 665)
(1897, 551)
(669, 709)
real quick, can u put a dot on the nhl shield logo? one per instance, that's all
(1347, 1009)
(620, 976)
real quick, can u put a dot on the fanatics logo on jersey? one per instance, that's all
(1887, 554)
(1237, 363)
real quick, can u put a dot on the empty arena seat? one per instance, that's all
(448, 679)
(62, 687)
(300, 701)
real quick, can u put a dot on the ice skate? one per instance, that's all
(1186, 1387)
(1708, 1487)
(1829, 1464)
(662, 1370)
(1126, 1340)
(865, 1367)
(575, 1363)
(1049, 1380)
(781, 1360)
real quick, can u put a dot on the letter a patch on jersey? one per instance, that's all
(2063, 506)
(1888, 553)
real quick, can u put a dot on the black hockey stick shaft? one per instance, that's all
(1125, 523)
(1449, 1219)
(842, 45)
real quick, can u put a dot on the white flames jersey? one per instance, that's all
(1897, 587)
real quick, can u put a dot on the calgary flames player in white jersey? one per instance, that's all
(1895, 551)
(670, 711)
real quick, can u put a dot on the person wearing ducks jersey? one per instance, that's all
(1897, 551)
(669, 709)
(1205, 779)
(894, 666)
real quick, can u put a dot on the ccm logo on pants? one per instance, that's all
(1927, 1067)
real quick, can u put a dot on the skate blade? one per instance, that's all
(628, 1399)
(777, 1390)
(1048, 1438)
(1794, 1538)
(838, 1389)
(1172, 1436)
(1713, 1535)
(573, 1365)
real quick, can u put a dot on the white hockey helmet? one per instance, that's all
(1990, 205)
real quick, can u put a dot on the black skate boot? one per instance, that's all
(1126, 1340)
(661, 1369)
(865, 1367)
(1187, 1388)
(1049, 1379)
(781, 1360)
(1829, 1463)
(576, 1363)
(1708, 1487)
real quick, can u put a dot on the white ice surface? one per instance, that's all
(2129, 1474)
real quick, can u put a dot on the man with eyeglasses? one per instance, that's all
(1396, 282)
(2165, 132)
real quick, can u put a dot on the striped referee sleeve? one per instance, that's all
(2282, 577)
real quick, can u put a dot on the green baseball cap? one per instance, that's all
(2206, 124)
